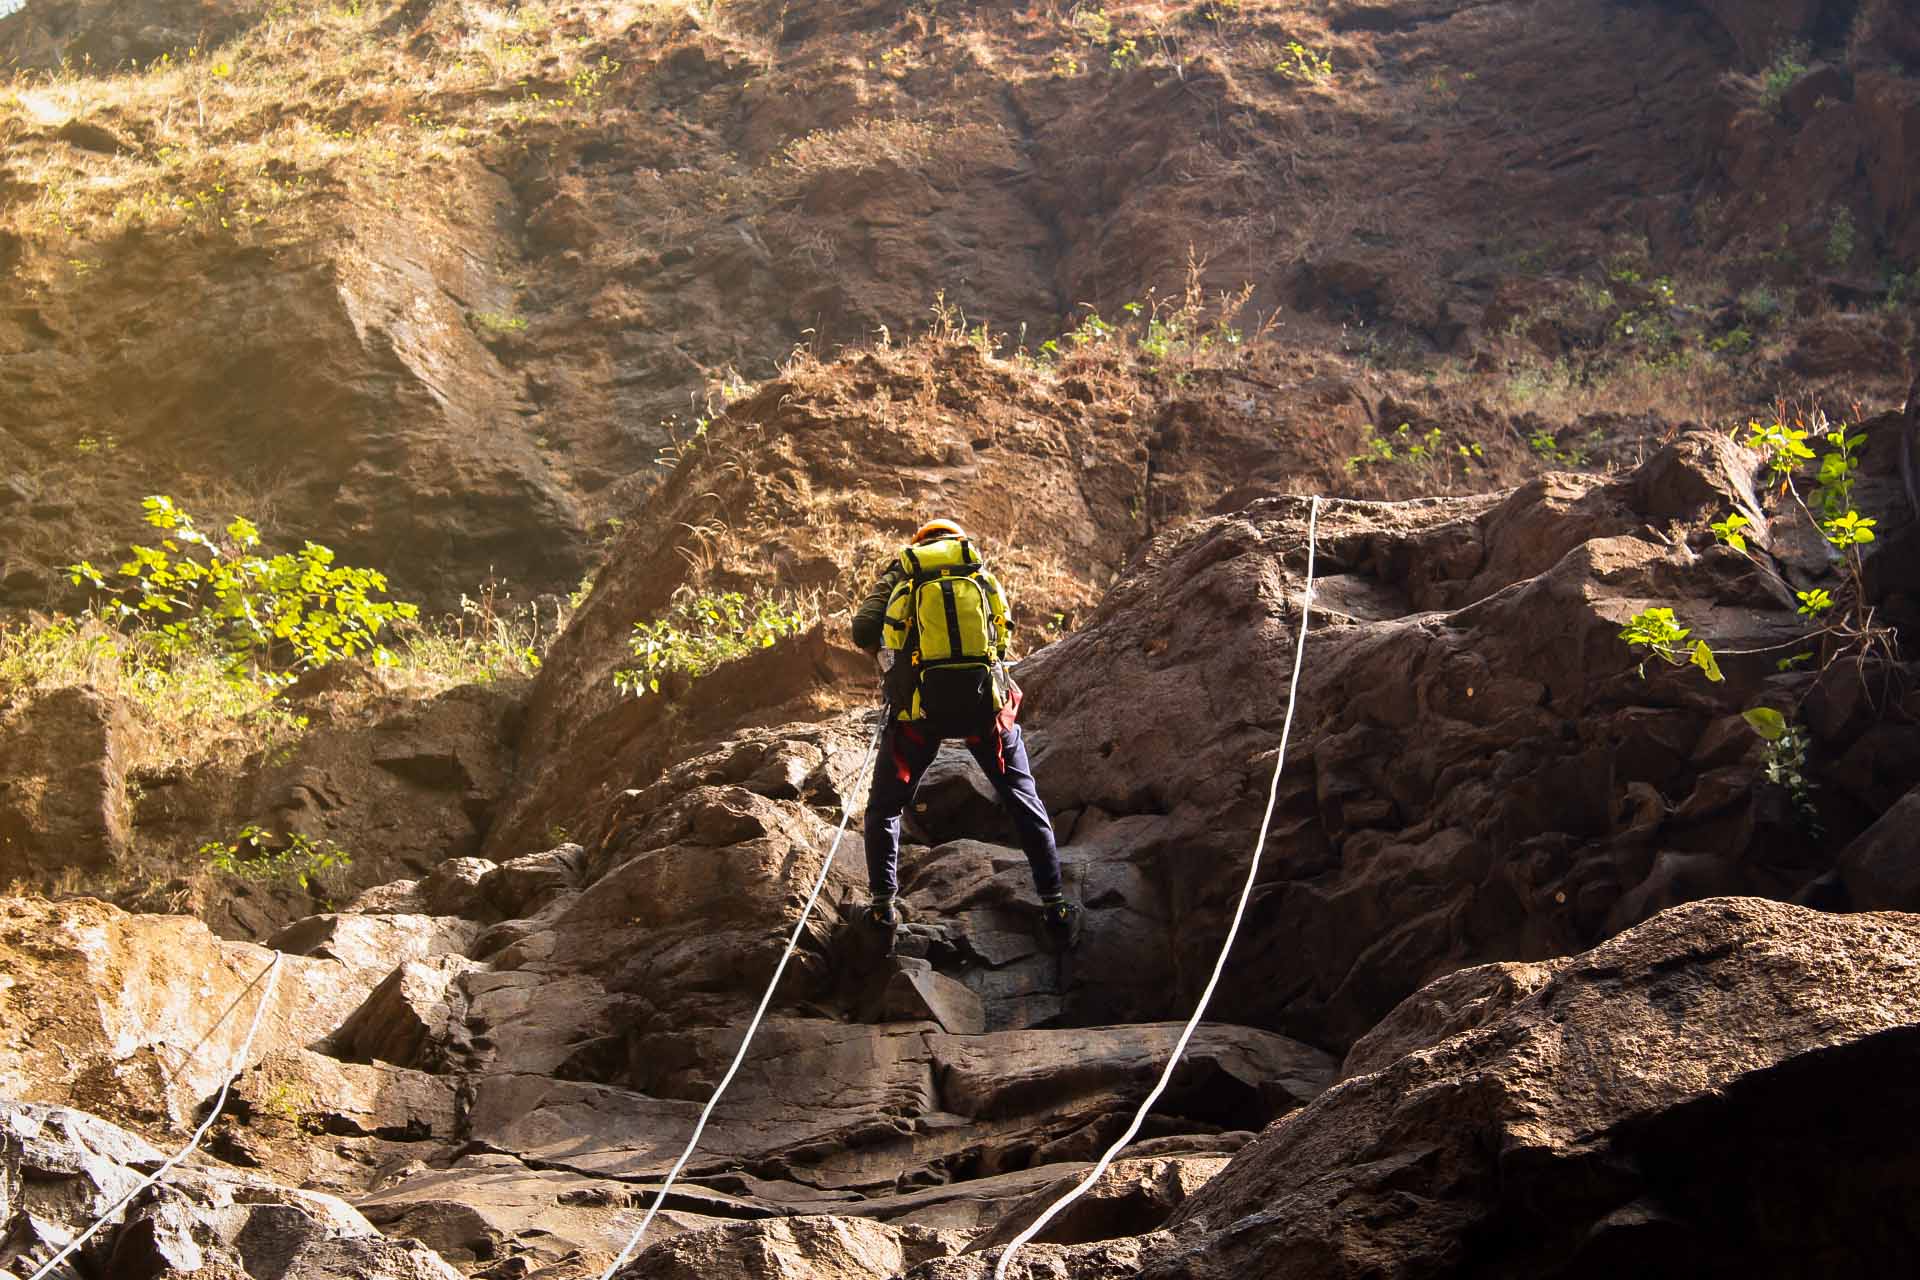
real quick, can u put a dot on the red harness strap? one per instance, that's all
(904, 729)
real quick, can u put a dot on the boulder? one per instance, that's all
(1881, 869)
(1132, 1198)
(523, 886)
(139, 1016)
(60, 1169)
(1720, 1090)
(454, 888)
(916, 993)
(818, 1248)
(493, 1209)
(415, 1018)
(1478, 773)
(371, 944)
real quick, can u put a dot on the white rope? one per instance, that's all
(873, 750)
(1219, 966)
(213, 1113)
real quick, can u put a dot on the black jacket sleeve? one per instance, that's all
(870, 618)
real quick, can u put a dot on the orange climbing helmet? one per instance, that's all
(933, 529)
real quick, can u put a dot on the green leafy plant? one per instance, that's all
(1658, 632)
(1422, 451)
(1760, 304)
(1786, 762)
(1843, 237)
(499, 322)
(1785, 449)
(255, 853)
(702, 631)
(1782, 447)
(268, 615)
(1788, 65)
(1544, 443)
(1814, 603)
(1728, 530)
(1300, 63)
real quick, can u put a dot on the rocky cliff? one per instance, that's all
(1564, 957)
(437, 282)
(501, 1058)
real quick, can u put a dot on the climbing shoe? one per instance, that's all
(1061, 923)
(879, 917)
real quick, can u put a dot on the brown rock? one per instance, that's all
(1762, 27)
(63, 1167)
(916, 993)
(522, 887)
(493, 1209)
(1454, 778)
(1589, 1118)
(63, 800)
(415, 1018)
(1890, 106)
(454, 888)
(1442, 1009)
(1840, 343)
(1881, 869)
(792, 1249)
(371, 944)
(139, 1016)
(300, 1087)
(1132, 1198)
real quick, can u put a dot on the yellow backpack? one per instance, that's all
(948, 619)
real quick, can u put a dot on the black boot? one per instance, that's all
(1060, 923)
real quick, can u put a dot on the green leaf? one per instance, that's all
(1703, 658)
(1766, 722)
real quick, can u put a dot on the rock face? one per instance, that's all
(63, 794)
(48, 34)
(1478, 770)
(398, 784)
(60, 1168)
(1723, 1090)
(138, 1016)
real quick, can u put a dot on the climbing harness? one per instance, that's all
(272, 975)
(740, 1056)
(1219, 966)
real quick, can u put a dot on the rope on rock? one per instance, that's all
(1219, 966)
(740, 1056)
(272, 975)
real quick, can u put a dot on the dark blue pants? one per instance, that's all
(906, 751)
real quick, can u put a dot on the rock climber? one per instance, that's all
(938, 621)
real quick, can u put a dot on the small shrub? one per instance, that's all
(1901, 286)
(197, 593)
(1759, 304)
(1421, 452)
(1547, 446)
(1788, 65)
(1734, 342)
(257, 854)
(1786, 763)
(1302, 64)
(498, 322)
(702, 631)
(1843, 237)
(1661, 635)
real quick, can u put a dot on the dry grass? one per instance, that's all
(251, 134)
(905, 144)
(195, 709)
